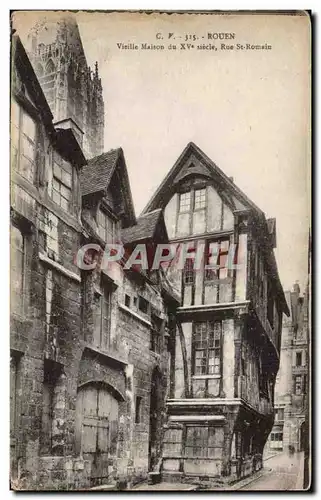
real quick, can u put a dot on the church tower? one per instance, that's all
(72, 89)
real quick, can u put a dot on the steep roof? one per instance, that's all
(145, 227)
(97, 174)
(163, 193)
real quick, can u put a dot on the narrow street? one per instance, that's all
(281, 472)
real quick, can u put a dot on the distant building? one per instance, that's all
(290, 430)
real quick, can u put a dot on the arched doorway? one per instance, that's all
(155, 419)
(97, 429)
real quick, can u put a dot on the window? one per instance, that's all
(298, 358)
(143, 305)
(207, 347)
(102, 317)
(172, 442)
(127, 300)
(217, 257)
(276, 436)
(188, 271)
(62, 183)
(279, 414)
(203, 442)
(191, 214)
(17, 266)
(199, 198)
(156, 335)
(106, 227)
(185, 202)
(298, 385)
(138, 409)
(23, 141)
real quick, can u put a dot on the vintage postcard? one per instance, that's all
(160, 251)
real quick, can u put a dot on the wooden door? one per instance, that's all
(97, 429)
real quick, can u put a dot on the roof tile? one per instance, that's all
(97, 174)
(144, 229)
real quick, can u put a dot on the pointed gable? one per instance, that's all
(192, 167)
(106, 175)
(194, 162)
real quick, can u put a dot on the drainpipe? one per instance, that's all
(129, 374)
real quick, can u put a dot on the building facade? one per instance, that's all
(116, 372)
(290, 430)
(89, 345)
(228, 327)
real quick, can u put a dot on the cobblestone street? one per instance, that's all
(281, 472)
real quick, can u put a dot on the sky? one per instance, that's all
(248, 110)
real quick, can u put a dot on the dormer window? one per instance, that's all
(23, 141)
(106, 226)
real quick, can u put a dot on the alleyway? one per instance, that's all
(281, 472)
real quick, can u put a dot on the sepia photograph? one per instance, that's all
(160, 251)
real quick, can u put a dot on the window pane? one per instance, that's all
(60, 194)
(56, 197)
(56, 185)
(189, 272)
(28, 126)
(64, 203)
(207, 347)
(66, 178)
(26, 168)
(65, 192)
(185, 202)
(200, 198)
(27, 148)
(212, 257)
(57, 171)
